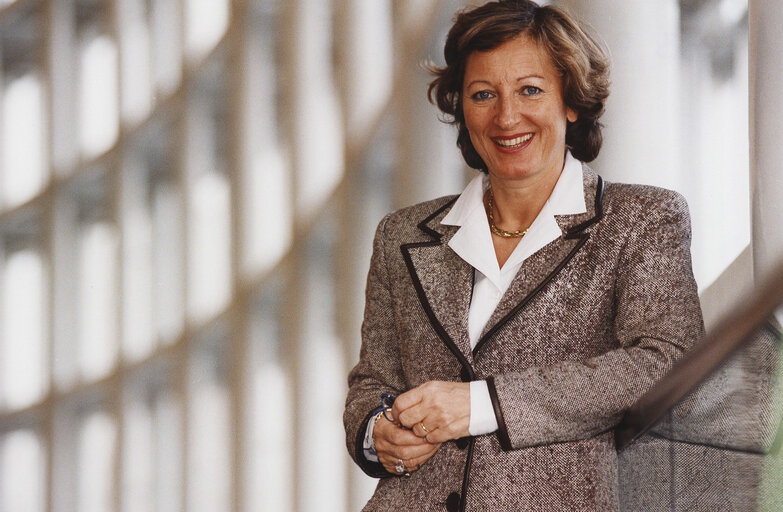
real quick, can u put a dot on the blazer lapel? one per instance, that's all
(540, 268)
(443, 283)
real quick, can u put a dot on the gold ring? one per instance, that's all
(424, 428)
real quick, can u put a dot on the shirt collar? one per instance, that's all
(567, 197)
(473, 241)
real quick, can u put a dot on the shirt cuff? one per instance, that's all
(369, 443)
(482, 414)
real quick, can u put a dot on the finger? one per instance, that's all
(411, 464)
(406, 400)
(386, 446)
(412, 415)
(403, 451)
(439, 403)
(448, 432)
(387, 433)
(420, 428)
(406, 452)
(399, 466)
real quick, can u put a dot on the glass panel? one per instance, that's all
(24, 162)
(138, 479)
(317, 126)
(210, 238)
(167, 46)
(138, 333)
(168, 255)
(153, 247)
(22, 472)
(267, 180)
(63, 75)
(209, 429)
(167, 412)
(23, 151)
(98, 245)
(24, 375)
(321, 375)
(98, 81)
(64, 261)
(270, 412)
(205, 23)
(152, 470)
(714, 85)
(96, 454)
(86, 244)
(209, 198)
(135, 47)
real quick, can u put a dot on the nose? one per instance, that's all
(508, 113)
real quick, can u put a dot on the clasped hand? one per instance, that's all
(423, 418)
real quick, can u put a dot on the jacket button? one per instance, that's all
(463, 442)
(452, 502)
(464, 375)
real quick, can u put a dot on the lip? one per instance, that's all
(525, 140)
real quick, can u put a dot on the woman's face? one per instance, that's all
(513, 104)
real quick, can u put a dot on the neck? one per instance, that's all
(518, 203)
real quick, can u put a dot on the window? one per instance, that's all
(98, 82)
(23, 156)
(21, 471)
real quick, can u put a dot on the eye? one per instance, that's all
(481, 95)
(530, 90)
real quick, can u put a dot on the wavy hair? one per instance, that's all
(582, 63)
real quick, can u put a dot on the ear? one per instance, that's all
(571, 115)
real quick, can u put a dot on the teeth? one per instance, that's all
(510, 143)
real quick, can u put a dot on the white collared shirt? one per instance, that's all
(473, 243)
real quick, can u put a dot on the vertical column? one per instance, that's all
(365, 59)
(313, 135)
(3, 136)
(766, 140)
(63, 69)
(641, 139)
(238, 378)
(429, 164)
(293, 289)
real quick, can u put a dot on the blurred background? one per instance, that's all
(188, 195)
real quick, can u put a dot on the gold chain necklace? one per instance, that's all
(500, 232)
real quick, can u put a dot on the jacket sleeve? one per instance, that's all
(657, 317)
(378, 370)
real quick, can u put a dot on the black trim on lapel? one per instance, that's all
(576, 232)
(436, 324)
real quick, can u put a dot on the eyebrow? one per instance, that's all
(521, 78)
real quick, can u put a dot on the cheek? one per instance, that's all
(470, 121)
(475, 123)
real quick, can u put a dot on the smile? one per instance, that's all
(513, 143)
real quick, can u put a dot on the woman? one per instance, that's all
(516, 322)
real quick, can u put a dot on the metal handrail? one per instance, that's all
(731, 334)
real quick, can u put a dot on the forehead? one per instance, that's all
(516, 58)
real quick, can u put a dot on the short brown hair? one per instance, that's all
(581, 61)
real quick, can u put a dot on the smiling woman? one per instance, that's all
(516, 117)
(508, 328)
(515, 113)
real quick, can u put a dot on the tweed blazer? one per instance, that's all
(588, 324)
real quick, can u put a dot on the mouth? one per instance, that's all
(513, 142)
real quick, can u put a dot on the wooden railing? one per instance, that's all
(731, 334)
